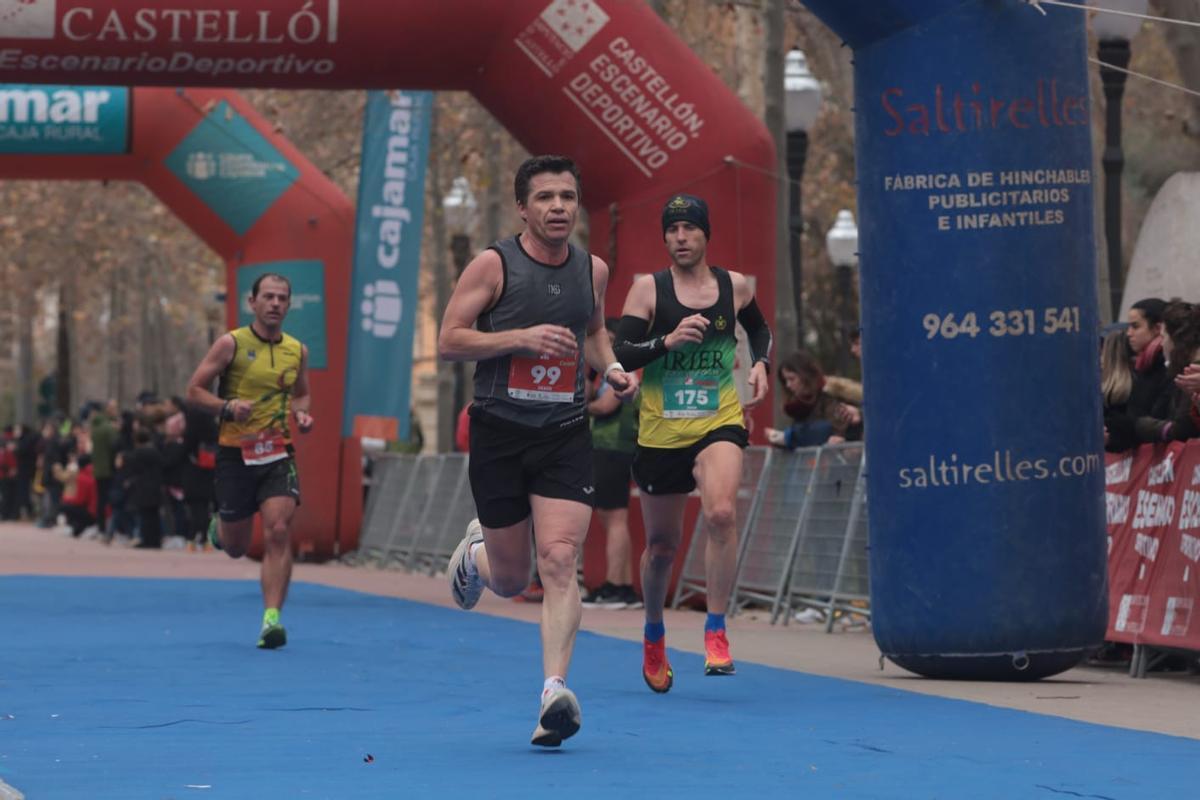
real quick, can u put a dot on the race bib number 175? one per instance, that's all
(688, 396)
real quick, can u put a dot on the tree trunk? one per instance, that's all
(62, 361)
(145, 335)
(750, 58)
(496, 184)
(114, 353)
(26, 389)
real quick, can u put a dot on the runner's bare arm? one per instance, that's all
(301, 398)
(597, 350)
(215, 362)
(478, 289)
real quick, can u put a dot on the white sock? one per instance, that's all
(552, 683)
(471, 551)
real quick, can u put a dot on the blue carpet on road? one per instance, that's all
(115, 688)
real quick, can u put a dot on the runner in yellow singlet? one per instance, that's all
(679, 324)
(264, 386)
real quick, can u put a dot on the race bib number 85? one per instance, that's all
(550, 380)
(265, 448)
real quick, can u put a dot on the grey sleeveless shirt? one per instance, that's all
(523, 388)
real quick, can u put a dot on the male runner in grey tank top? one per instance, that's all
(530, 311)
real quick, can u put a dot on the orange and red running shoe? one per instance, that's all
(655, 669)
(717, 660)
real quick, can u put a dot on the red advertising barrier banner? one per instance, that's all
(1153, 501)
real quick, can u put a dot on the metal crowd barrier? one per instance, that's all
(802, 527)
(417, 510)
(692, 580)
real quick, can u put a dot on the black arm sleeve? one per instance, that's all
(632, 348)
(758, 332)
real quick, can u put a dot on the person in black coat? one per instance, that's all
(1150, 394)
(200, 446)
(1179, 420)
(28, 443)
(144, 467)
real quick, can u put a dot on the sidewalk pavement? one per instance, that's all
(1163, 703)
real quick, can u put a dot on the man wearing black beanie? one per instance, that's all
(679, 325)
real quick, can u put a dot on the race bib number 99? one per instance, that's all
(688, 396)
(547, 379)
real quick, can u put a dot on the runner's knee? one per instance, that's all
(556, 561)
(508, 572)
(661, 551)
(235, 546)
(508, 584)
(721, 520)
(275, 534)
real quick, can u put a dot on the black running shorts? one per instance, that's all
(668, 470)
(243, 488)
(612, 469)
(508, 465)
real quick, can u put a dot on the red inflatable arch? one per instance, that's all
(604, 81)
(313, 221)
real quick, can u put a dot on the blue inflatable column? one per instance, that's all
(980, 334)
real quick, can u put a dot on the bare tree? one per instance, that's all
(1185, 46)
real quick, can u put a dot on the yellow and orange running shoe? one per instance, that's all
(655, 669)
(717, 660)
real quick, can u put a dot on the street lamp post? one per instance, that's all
(1114, 32)
(841, 243)
(802, 104)
(460, 209)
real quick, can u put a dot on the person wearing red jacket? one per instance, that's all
(80, 506)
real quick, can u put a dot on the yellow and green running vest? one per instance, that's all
(690, 391)
(263, 373)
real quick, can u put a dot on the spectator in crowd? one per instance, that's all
(818, 417)
(1180, 345)
(121, 522)
(1184, 359)
(67, 476)
(104, 454)
(1116, 383)
(79, 501)
(1148, 396)
(8, 474)
(200, 446)
(144, 487)
(175, 459)
(856, 344)
(54, 452)
(614, 440)
(28, 444)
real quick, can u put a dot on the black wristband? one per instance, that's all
(224, 415)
